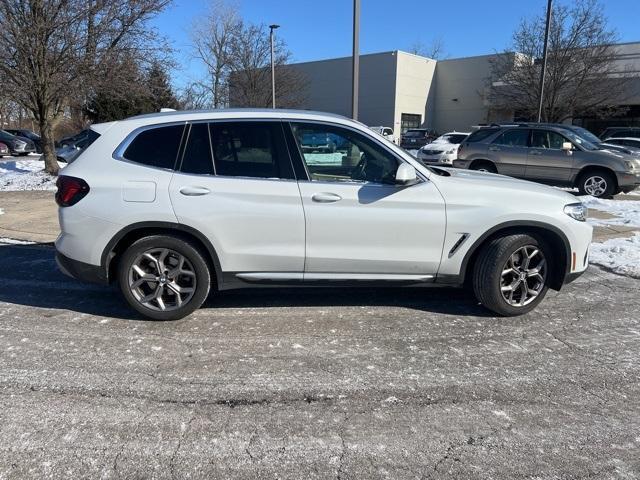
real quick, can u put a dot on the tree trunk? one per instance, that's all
(48, 147)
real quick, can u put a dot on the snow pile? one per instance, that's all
(626, 211)
(25, 174)
(13, 241)
(620, 255)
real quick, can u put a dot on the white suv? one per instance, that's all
(173, 205)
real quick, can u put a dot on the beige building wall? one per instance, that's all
(414, 88)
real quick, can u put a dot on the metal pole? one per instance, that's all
(273, 67)
(356, 59)
(543, 73)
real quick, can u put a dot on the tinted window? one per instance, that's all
(156, 147)
(197, 154)
(415, 133)
(482, 134)
(339, 155)
(514, 138)
(250, 149)
(547, 139)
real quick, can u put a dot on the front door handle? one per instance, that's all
(494, 149)
(326, 197)
(193, 191)
(535, 152)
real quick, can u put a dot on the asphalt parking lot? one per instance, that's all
(415, 383)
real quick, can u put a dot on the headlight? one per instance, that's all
(632, 164)
(576, 211)
(20, 144)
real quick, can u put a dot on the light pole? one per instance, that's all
(355, 70)
(543, 73)
(273, 67)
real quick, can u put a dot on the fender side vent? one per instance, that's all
(458, 244)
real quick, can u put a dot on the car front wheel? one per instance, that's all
(511, 274)
(597, 184)
(164, 277)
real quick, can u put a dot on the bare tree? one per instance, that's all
(250, 79)
(55, 49)
(583, 75)
(212, 37)
(435, 49)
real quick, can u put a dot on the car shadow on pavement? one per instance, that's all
(30, 277)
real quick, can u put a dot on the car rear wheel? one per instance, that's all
(164, 277)
(484, 167)
(598, 184)
(511, 274)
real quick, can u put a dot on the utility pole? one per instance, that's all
(543, 72)
(273, 67)
(355, 70)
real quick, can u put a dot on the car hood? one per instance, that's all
(471, 183)
(440, 146)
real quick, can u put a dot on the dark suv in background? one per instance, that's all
(415, 138)
(551, 154)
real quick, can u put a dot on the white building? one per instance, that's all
(402, 90)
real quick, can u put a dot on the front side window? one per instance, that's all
(250, 149)
(547, 139)
(514, 138)
(334, 154)
(156, 147)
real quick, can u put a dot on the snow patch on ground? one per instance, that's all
(626, 211)
(620, 255)
(25, 174)
(13, 241)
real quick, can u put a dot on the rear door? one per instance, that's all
(547, 160)
(509, 152)
(235, 184)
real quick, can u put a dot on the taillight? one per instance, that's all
(70, 190)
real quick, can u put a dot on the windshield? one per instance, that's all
(578, 140)
(454, 138)
(415, 133)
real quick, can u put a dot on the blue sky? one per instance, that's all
(322, 29)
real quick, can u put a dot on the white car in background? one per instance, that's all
(443, 150)
(386, 132)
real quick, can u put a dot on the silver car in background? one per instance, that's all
(549, 154)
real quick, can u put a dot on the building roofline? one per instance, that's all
(392, 52)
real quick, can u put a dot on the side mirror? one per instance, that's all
(567, 146)
(406, 175)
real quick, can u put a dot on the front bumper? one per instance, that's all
(442, 159)
(80, 270)
(457, 163)
(628, 181)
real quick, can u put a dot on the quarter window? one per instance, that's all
(197, 154)
(482, 134)
(547, 139)
(333, 154)
(250, 149)
(514, 138)
(156, 147)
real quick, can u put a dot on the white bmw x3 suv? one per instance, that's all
(174, 205)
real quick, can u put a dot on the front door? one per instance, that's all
(358, 221)
(547, 160)
(235, 184)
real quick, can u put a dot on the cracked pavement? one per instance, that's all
(328, 383)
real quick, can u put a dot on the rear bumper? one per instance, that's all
(80, 270)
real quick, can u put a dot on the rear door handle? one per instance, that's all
(326, 197)
(193, 191)
(494, 149)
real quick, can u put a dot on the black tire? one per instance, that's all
(484, 167)
(198, 266)
(488, 271)
(597, 176)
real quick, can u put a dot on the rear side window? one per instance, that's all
(514, 138)
(156, 147)
(482, 134)
(250, 149)
(197, 154)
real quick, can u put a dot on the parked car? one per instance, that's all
(617, 132)
(18, 146)
(31, 135)
(173, 205)
(386, 132)
(4, 150)
(74, 139)
(417, 137)
(69, 152)
(443, 150)
(549, 154)
(626, 142)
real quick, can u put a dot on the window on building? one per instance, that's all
(409, 120)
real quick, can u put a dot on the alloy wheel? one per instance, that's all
(595, 186)
(523, 276)
(162, 279)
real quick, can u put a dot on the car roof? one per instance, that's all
(635, 139)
